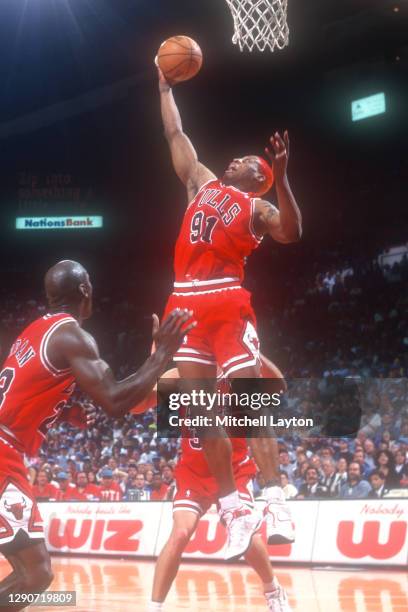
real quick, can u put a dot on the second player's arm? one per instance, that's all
(285, 224)
(190, 171)
(96, 378)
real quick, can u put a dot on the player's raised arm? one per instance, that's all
(80, 352)
(190, 171)
(285, 224)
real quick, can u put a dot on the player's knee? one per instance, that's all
(180, 537)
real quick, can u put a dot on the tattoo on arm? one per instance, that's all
(269, 212)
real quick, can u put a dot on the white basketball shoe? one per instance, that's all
(277, 600)
(241, 524)
(278, 518)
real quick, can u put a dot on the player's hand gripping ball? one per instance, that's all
(179, 58)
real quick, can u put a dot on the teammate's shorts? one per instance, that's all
(198, 494)
(20, 519)
(226, 325)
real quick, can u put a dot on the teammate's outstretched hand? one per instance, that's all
(279, 155)
(170, 334)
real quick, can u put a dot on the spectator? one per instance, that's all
(112, 464)
(342, 467)
(325, 453)
(315, 462)
(131, 475)
(354, 487)
(149, 477)
(159, 489)
(387, 427)
(43, 489)
(369, 450)
(109, 490)
(377, 482)
(137, 490)
(285, 464)
(289, 490)
(300, 474)
(301, 457)
(67, 490)
(91, 477)
(359, 458)
(331, 479)
(385, 463)
(87, 490)
(148, 453)
(168, 475)
(401, 466)
(62, 458)
(343, 450)
(312, 489)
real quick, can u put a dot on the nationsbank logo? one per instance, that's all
(58, 223)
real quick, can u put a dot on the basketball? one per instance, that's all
(179, 58)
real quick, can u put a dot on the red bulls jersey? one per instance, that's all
(216, 235)
(32, 391)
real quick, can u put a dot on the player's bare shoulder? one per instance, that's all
(71, 340)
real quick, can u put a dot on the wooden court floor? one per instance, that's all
(124, 586)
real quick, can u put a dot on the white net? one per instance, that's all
(260, 23)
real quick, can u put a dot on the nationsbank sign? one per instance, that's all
(58, 223)
(368, 107)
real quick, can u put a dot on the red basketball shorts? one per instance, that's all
(20, 519)
(225, 334)
(197, 493)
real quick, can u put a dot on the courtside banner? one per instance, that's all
(349, 532)
(362, 531)
(59, 223)
(102, 528)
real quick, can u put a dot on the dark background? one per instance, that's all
(79, 100)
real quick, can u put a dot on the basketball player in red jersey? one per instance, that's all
(224, 222)
(196, 491)
(36, 382)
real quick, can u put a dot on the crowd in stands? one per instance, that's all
(352, 322)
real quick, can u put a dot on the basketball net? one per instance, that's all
(260, 23)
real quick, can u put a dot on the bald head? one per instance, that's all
(68, 287)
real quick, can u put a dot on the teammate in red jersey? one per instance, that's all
(36, 382)
(196, 491)
(225, 221)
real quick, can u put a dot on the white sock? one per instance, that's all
(155, 606)
(270, 586)
(273, 493)
(230, 501)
